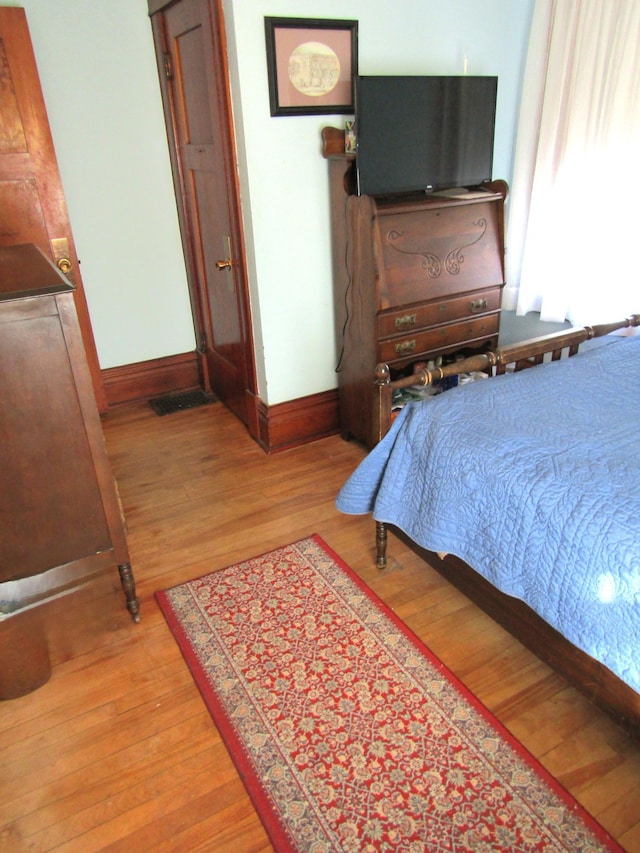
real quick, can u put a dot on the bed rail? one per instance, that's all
(597, 682)
(493, 362)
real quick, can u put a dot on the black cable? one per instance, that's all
(338, 367)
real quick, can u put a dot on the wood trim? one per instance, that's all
(253, 403)
(131, 383)
(275, 428)
(298, 421)
(157, 5)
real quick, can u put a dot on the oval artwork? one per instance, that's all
(314, 69)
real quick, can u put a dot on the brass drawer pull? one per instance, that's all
(405, 347)
(478, 305)
(406, 320)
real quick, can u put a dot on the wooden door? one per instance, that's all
(191, 52)
(33, 207)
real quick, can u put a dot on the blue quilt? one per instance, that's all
(533, 479)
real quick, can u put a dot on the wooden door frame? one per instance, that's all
(219, 46)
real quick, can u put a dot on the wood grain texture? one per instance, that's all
(131, 383)
(118, 752)
(33, 207)
(415, 277)
(286, 425)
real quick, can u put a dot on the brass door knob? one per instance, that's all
(223, 265)
(64, 265)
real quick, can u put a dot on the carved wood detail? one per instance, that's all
(431, 263)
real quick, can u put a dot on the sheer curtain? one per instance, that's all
(574, 222)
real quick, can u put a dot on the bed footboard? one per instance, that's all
(494, 362)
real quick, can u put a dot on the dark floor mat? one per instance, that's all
(178, 402)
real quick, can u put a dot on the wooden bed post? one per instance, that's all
(383, 402)
(381, 544)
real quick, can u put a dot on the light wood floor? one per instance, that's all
(117, 752)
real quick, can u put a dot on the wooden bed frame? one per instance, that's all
(589, 676)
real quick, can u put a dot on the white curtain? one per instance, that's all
(574, 221)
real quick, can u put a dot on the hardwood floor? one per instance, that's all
(117, 751)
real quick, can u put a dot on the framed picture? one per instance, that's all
(311, 64)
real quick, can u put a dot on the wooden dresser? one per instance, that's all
(415, 277)
(60, 518)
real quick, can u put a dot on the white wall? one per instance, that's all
(98, 74)
(284, 176)
(99, 79)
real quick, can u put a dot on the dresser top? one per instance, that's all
(27, 271)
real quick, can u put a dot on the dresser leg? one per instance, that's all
(381, 544)
(129, 587)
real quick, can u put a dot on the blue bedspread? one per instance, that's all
(533, 479)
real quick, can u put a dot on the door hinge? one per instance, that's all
(168, 69)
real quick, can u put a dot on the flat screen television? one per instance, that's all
(419, 133)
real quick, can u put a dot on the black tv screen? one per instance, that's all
(423, 133)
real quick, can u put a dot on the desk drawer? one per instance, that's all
(417, 317)
(426, 341)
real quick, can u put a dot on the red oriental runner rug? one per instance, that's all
(349, 734)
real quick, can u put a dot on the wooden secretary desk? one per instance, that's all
(61, 524)
(416, 277)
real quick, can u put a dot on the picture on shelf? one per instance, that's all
(350, 138)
